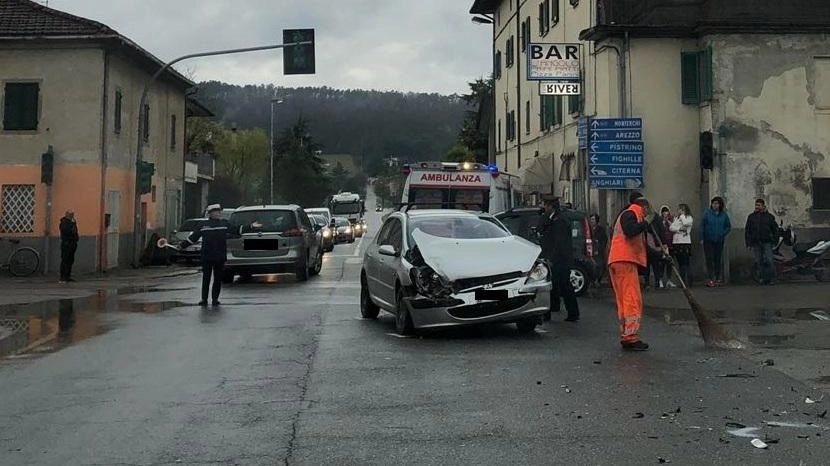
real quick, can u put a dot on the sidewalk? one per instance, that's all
(734, 301)
(15, 290)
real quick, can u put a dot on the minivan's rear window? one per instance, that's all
(266, 221)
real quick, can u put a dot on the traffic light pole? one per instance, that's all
(137, 228)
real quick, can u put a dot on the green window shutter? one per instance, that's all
(542, 19)
(689, 78)
(573, 104)
(557, 110)
(20, 112)
(706, 84)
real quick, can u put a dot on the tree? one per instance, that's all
(242, 156)
(299, 175)
(474, 130)
(459, 153)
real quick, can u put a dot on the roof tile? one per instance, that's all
(25, 18)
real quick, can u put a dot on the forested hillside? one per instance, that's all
(371, 125)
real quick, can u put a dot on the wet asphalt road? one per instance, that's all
(287, 373)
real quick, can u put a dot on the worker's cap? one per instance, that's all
(213, 208)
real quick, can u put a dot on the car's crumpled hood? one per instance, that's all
(457, 259)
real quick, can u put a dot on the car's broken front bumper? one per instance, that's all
(521, 301)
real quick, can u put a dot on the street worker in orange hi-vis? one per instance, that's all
(629, 253)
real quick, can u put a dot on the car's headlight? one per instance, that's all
(539, 273)
(348, 230)
(326, 234)
(430, 283)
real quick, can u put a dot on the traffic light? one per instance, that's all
(145, 177)
(298, 59)
(47, 165)
(707, 151)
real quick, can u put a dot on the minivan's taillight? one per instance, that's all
(294, 232)
(589, 240)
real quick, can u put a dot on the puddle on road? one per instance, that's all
(48, 326)
(774, 329)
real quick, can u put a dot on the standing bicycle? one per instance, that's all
(20, 261)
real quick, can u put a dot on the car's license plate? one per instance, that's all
(491, 295)
(257, 244)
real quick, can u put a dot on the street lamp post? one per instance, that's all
(140, 140)
(274, 102)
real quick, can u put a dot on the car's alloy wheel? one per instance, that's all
(368, 309)
(403, 321)
(302, 268)
(527, 325)
(579, 281)
(318, 264)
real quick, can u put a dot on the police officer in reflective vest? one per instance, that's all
(214, 234)
(628, 253)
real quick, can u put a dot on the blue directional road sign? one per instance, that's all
(615, 153)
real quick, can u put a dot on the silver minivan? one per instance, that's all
(273, 239)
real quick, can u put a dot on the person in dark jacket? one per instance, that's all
(761, 233)
(214, 234)
(716, 226)
(69, 244)
(557, 248)
(599, 233)
(654, 253)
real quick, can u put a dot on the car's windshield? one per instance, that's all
(192, 225)
(341, 208)
(318, 219)
(462, 227)
(342, 222)
(266, 221)
(318, 212)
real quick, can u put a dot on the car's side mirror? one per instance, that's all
(388, 250)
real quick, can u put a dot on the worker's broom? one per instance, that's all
(713, 334)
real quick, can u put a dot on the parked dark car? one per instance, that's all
(523, 221)
(325, 231)
(193, 252)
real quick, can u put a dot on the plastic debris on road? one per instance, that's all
(821, 315)
(758, 443)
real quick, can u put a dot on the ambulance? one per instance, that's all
(466, 186)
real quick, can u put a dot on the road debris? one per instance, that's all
(811, 401)
(823, 415)
(662, 460)
(638, 416)
(821, 315)
(768, 362)
(738, 375)
(597, 362)
(758, 443)
(736, 425)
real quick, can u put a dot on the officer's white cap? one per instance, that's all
(213, 208)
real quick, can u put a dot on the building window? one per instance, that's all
(20, 112)
(527, 117)
(696, 77)
(511, 125)
(497, 65)
(511, 51)
(18, 208)
(573, 105)
(554, 12)
(551, 111)
(821, 193)
(544, 18)
(498, 139)
(145, 131)
(117, 112)
(172, 133)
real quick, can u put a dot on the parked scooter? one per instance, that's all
(792, 258)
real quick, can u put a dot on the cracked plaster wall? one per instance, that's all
(776, 139)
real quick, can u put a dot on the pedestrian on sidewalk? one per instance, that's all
(682, 241)
(666, 219)
(715, 227)
(69, 245)
(761, 233)
(599, 233)
(557, 248)
(655, 256)
(627, 255)
(214, 234)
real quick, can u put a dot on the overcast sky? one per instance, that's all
(408, 45)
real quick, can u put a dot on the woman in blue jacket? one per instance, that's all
(716, 226)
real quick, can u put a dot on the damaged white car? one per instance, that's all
(445, 268)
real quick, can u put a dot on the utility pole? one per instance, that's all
(274, 102)
(137, 227)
